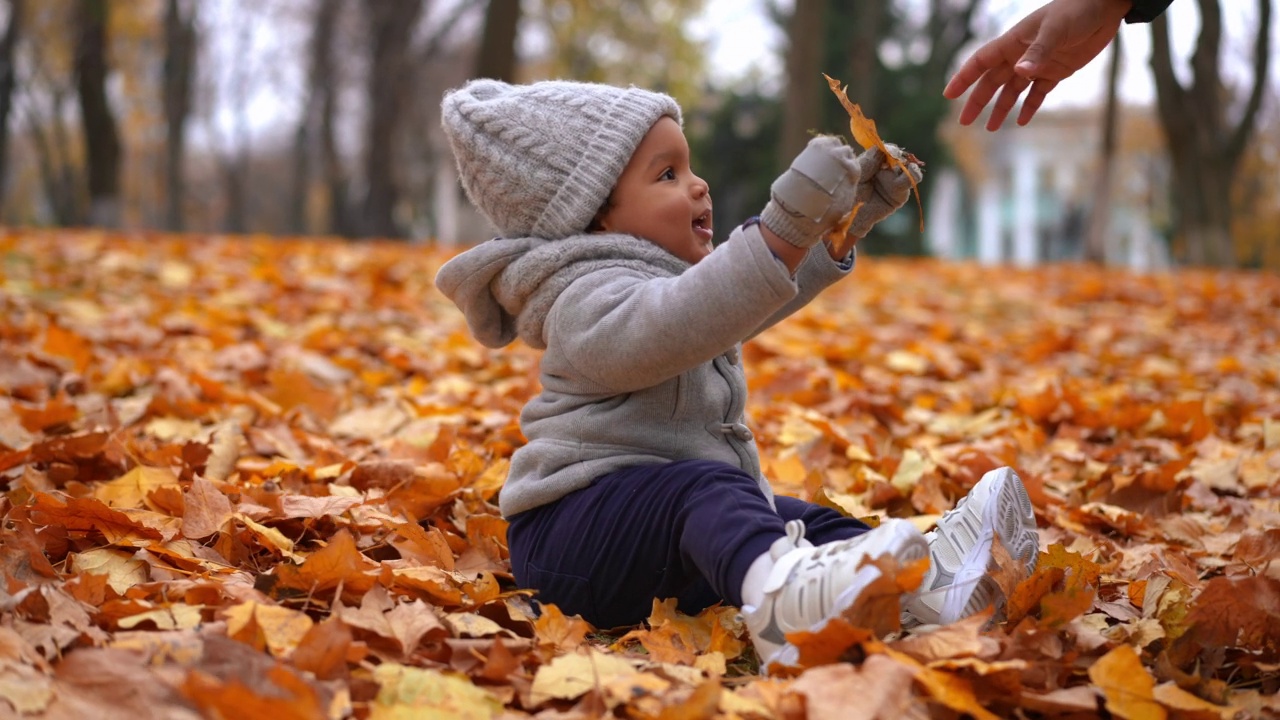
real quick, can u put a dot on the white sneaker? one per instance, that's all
(959, 582)
(809, 585)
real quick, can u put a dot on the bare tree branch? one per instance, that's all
(1261, 56)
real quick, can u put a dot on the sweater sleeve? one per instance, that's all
(1146, 10)
(816, 273)
(623, 332)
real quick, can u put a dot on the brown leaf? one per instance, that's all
(206, 510)
(950, 690)
(423, 545)
(404, 623)
(1239, 612)
(500, 663)
(323, 650)
(86, 514)
(879, 688)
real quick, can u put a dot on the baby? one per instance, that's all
(640, 478)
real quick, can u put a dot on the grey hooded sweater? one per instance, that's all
(642, 360)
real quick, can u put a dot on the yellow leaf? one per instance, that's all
(907, 363)
(281, 628)
(471, 625)
(1127, 685)
(178, 616)
(409, 693)
(270, 536)
(864, 133)
(912, 467)
(131, 489)
(120, 567)
(571, 676)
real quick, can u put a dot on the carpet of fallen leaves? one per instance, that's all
(256, 478)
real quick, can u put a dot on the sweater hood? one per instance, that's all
(505, 287)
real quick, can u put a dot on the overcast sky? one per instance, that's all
(740, 36)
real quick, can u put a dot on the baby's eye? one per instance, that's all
(668, 174)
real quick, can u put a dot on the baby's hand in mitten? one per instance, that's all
(882, 190)
(814, 194)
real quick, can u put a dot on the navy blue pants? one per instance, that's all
(687, 530)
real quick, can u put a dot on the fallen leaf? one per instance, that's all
(879, 688)
(1127, 685)
(206, 509)
(864, 133)
(570, 676)
(277, 628)
(411, 693)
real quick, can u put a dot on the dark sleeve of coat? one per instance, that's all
(1146, 10)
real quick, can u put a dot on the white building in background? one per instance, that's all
(1024, 195)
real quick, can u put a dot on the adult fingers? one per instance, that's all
(1004, 103)
(1039, 89)
(985, 58)
(982, 93)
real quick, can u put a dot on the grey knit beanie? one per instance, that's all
(539, 160)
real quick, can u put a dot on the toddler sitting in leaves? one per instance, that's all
(640, 478)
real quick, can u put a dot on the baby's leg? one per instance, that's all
(645, 532)
(822, 524)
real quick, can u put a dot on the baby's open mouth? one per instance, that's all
(702, 224)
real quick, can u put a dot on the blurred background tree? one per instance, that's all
(1205, 143)
(321, 116)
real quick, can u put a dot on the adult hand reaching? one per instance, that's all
(1045, 48)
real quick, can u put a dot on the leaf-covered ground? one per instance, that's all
(255, 478)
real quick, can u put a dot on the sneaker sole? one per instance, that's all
(1012, 519)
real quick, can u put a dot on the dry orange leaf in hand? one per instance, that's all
(864, 133)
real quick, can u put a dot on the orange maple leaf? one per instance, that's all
(864, 133)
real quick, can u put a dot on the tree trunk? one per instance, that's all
(315, 126)
(235, 172)
(1095, 244)
(497, 58)
(864, 63)
(8, 77)
(61, 185)
(391, 24)
(1204, 145)
(802, 110)
(102, 140)
(179, 69)
(235, 159)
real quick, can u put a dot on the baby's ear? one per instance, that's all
(597, 224)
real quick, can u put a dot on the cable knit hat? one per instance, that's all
(540, 160)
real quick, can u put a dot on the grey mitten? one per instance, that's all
(814, 194)
(883, 189)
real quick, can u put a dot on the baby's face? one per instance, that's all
(659, 198)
